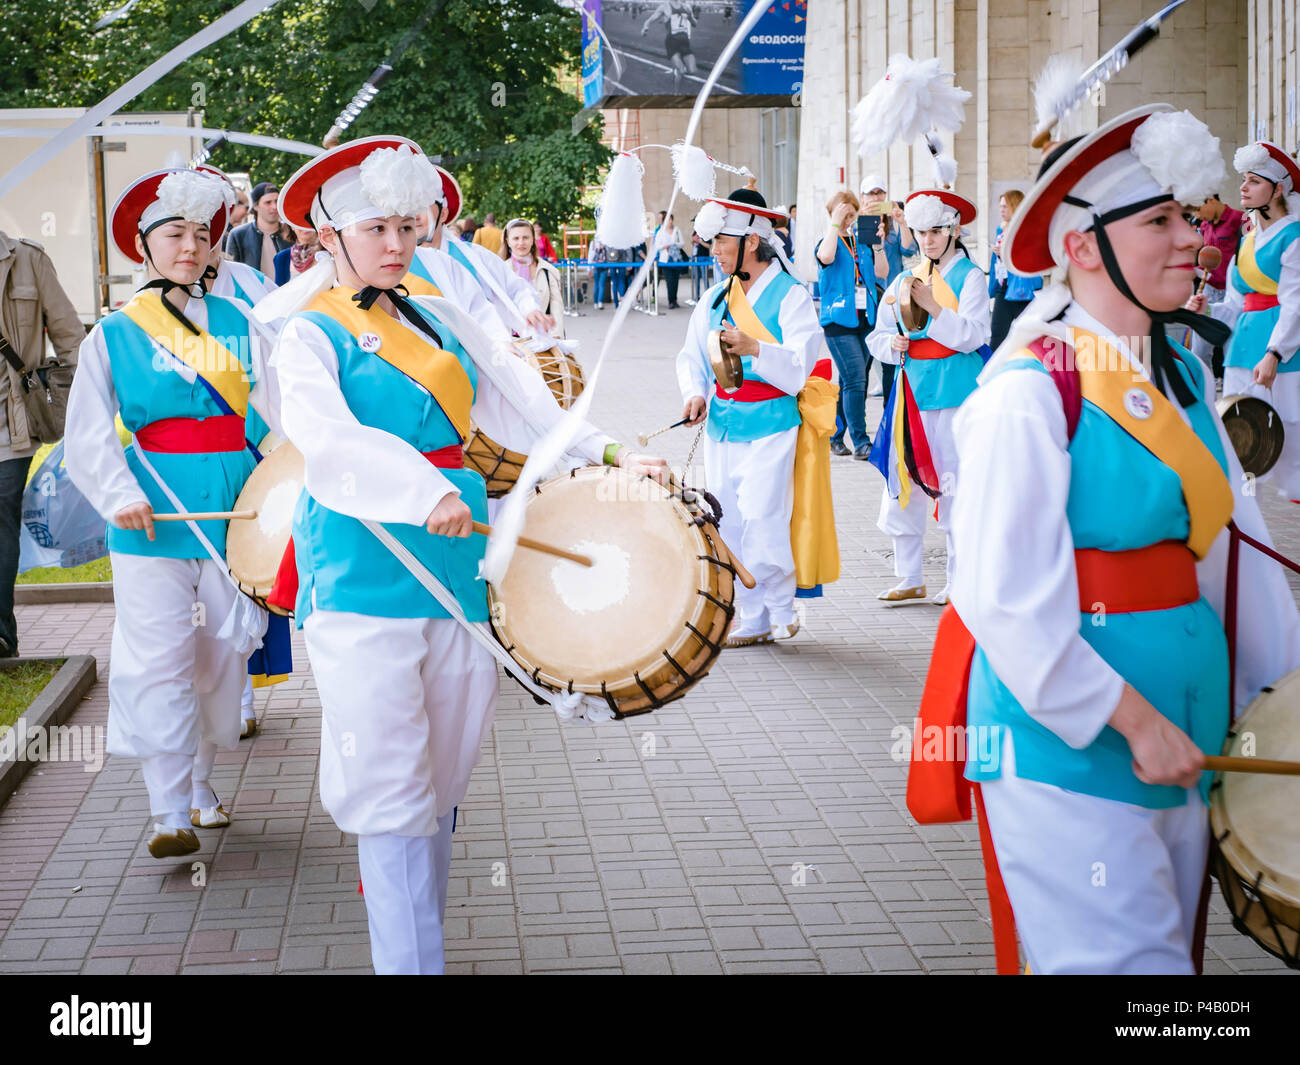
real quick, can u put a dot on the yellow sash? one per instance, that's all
(1206, 489)
(418, 286)
(1249, 269)
(813, 541)
(207, 356)
(437, 370)
(943, 292)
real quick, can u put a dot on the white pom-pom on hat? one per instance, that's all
(620, 218)
(710, 220)
(693, 171)
(928, 212)
(185, 194)
(1181, 154)
(400, 180)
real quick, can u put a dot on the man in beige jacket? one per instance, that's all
(33, 306)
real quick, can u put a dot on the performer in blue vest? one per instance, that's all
(184, 368)
(940, 363)
(378, 392)
(767, 318)
(230, 279)
(1262, 299)
(1085, 631)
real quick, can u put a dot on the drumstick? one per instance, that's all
(537, 545)
(1219, 763)
(746, 578)
(209, 515)
(644, 438)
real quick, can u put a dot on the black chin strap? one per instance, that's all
(400, 299)
(166, 284)
(1164, 373)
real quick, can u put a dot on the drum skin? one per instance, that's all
(1253, 820)
(1255, 430)
(643, 624)
(254, 547)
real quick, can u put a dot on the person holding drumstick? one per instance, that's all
(1084, 649)
(939, 364)
(184, 368)
(767, 319)
(1262, 299)
(378, 393)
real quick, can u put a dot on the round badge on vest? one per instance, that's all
(1138, 404)
(370, 342)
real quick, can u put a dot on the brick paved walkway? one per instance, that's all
(757, 826)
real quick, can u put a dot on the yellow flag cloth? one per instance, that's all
(812, 522)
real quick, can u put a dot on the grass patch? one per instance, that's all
(99, 570)
(20, 686)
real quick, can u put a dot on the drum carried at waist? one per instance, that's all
(560, 370)
(1256, 850)
(642, 625)
(255, 548)
(1255, 430)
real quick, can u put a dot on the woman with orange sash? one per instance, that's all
(378, 393)
(184, 369)
(1084, 650)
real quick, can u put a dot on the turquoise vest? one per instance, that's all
(341, 566)
(459, 254)
(1122, 497)
(941, 383)
(837, 283)
(419, 269)
(737, 421)
(240, 293)
(148, 391)
(1250, 334)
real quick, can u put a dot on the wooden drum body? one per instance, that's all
(1256, 854)
(255, 547)
(640, 626)
(560, 370)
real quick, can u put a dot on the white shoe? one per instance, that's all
(209, 816)
(940, 598)
(248, 728)
(172, 842)
(785, 632)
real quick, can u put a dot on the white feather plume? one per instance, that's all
(1181, 153)
(1056, 89)
(620, 220)
(400, 180)
(694, 171)
(912, 98)
(945, 166)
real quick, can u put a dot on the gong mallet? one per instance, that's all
(644, 438)
(1208, 259)
(537, 545)
(1220, 763)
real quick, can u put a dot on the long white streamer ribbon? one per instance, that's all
(543, 457)
(256, 140)
(115, 100)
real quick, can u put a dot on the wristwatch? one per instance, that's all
(1276, 354)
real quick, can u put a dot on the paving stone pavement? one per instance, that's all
(758, 825)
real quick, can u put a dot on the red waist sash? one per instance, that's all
(925, 348)
(1157, 577)
(750, 392)
(190, 436)
(284, 592)
(1258, 301)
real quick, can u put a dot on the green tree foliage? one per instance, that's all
(478, 86)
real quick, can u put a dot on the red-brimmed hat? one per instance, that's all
(749, 208)
(297, 194)
(124, 219)
(451, 190)
(966, 211)
(1282, 156)
(1025, 247)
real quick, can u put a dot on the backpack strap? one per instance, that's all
(1066, 378)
